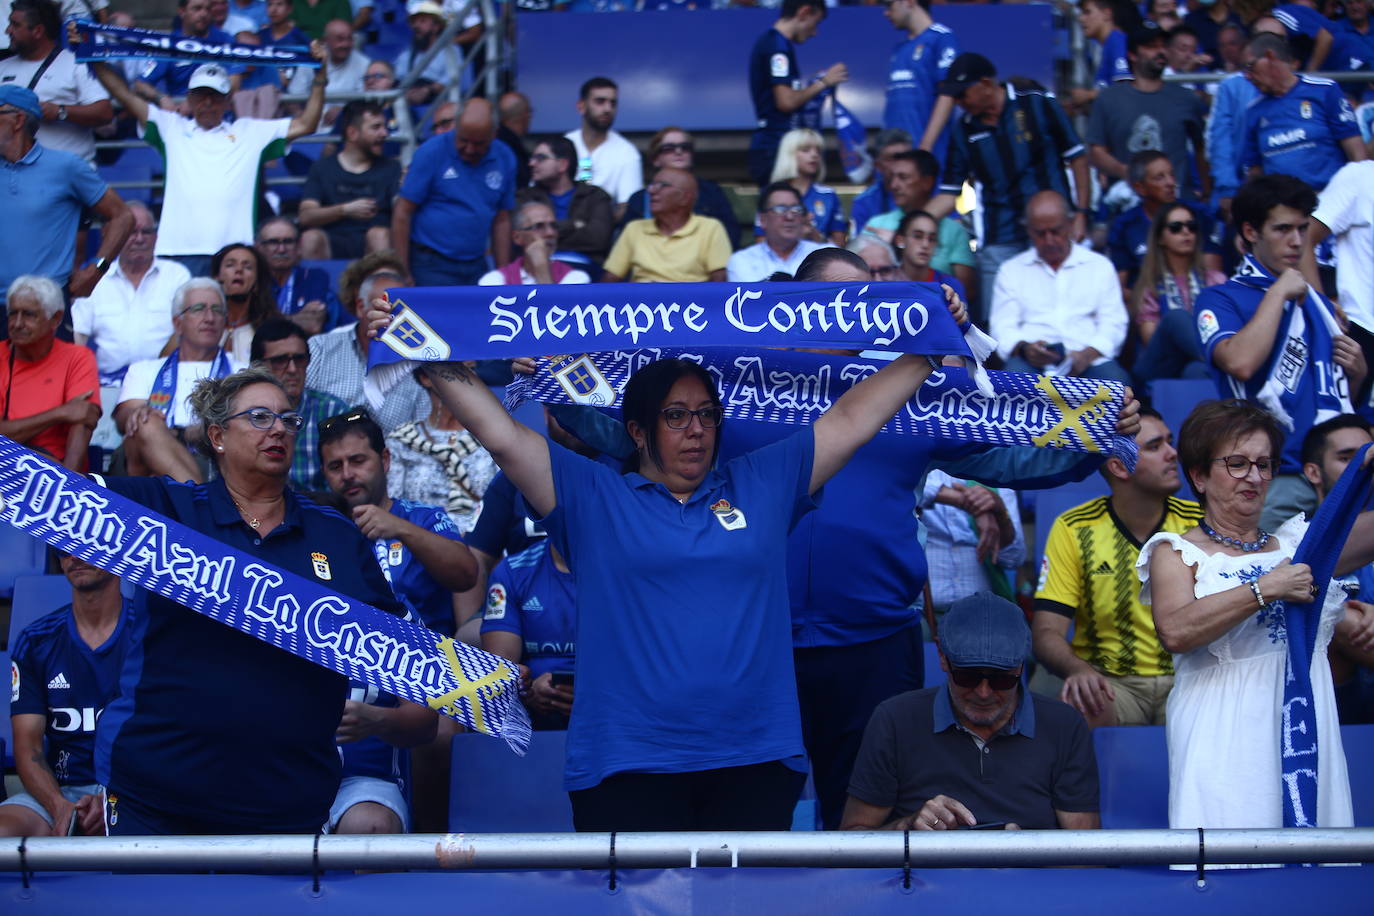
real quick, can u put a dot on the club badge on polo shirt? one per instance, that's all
(320, 563)
(393, 554)
(1305, 109)
(494, 180)
(731, 518)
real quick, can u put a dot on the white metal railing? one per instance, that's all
(878, 849)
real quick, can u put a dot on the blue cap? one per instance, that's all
(985, 631)
(19, 97)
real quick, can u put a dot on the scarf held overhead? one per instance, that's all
(113, 42)
(284, 610)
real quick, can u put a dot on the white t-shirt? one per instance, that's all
(125, 324)
(212, 178)
(65, 82)
(138, 385)
(615, 167)
(494, 278)
(346, 77)
(1346, 207)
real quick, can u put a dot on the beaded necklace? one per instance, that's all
(1246, 546)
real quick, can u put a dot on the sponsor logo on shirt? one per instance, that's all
(1207, 325)
(777, 65)
(730, 517)
(901, 76)
(946, 59)
(1103, 569)
(533, 606)
(450, 172)
(1285, 137)
(71, 719)
(59, 683)
(320, 564)
(496, 602)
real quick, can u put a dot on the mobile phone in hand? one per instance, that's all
(561, 679)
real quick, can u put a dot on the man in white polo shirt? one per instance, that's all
(604, 157)
(782, 248)
(212, 167)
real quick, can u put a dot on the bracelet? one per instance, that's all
(1259, 595)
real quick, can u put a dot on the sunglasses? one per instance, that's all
(299, 360)
(1179, 225)
(971, 678)
(681, 417)
(676, 148)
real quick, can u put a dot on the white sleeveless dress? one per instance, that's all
(1224, 713)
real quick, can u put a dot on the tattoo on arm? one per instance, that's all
(450, 372)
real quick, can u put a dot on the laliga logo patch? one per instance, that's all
(14, 682)
(1044, 573)
(411, 337)
(496, 602)
(777, 65)
(730, 517)
(582, 381)
(320, 563)
(1207, 325)
(393, 555)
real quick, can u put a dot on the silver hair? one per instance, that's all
(518, 221)
(48, 293)
(212, 399)
(365, 288)
(863, 240)
(189, 287)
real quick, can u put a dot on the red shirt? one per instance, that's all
(29, 388)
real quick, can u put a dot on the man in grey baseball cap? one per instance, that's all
(981, 750)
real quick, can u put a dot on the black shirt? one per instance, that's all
(332, 184)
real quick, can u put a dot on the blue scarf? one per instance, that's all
(112, 42)
(281, 609)
(164, 393)
(778, 386)
(1309, 328)
(1320, 549)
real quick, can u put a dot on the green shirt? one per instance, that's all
(311, 17)
(951, 248)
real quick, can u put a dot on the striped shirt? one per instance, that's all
(1022, 154)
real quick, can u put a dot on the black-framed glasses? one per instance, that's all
(676, 147)
(262, 418)
(970, 678)
(545, 226)
(681, 417)
(344, 419)
(785, 209)
(1179, 225)
(891, 272)
(280, 242)
(1238, 466)
(195, 308)
(282, 360)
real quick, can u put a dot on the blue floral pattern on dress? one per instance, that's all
(1271, 615)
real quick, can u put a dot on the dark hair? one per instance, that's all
(815, 263)
(44, 13)
(1178, 30)
(777, 187)
(643, 398)
(262, 305)
(353, 420)
(1139, 162)
(562, 148)
(1314, 443)
(1265, 42)
(596, 82)
(923, 159)
(1155, 265)
(1215, 423)
(790, 8)
(271, 331)
(1260, 195)
(909, 218)
(353, 112)
(351, 280)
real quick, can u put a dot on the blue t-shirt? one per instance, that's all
(56, 675)
(561, 202)
(873, 200)
(531, 597)
(772, 62)
(211, 723)
(42, 195)
(173, 78)
(501, 526)
(371, 756)
(1221, 311)
(1129, 236)
(1114, 64)
(1299, 132)
(308, 284)
(1303, 24)
(409, 578)
(456, 201)
(684, 660)
(823, 204)
(913, 82)
(273, 76)
(1350, 49)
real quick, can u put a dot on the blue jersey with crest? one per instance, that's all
(56, 675)
(913, 82)
(531, 597)
(1299, 132)
(772, 62)
(411, 581)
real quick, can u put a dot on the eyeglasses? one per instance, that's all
(1179, 225)
(885, 273)
(279, 242)
(196, 308)
(280, 361)
(676, 147)
(1238, 466)
(785, 209)
(344, 419)
(971, 678)
(681, 417)
(262, 418)
(539, 227)
(375, 76)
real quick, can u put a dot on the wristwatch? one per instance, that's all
(61, 112)
(103, 265)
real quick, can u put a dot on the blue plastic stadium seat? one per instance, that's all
(1175, 398)
(35, 596)
(933, 675)
(1050, 504)
(334, 268)
(122, 171)
(1358, 741)
(494, 791)
(1133, 770)
(20, 555)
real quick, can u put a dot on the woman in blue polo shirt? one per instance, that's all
(686, 709)
(214, 731)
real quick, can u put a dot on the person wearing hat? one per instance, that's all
(42, 195)
(980, 750)
(200, 216)
(427, 20)
(1032, 143)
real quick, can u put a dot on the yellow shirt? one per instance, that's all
(645, 255)
(1088, 573)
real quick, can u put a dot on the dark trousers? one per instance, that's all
(197, 264)
(125, 817)
(763, 150)
(430, 268)
(1173, 351)
(839, 687)
(760, 796)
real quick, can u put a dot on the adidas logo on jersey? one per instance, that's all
(533, 605)
(1103, 569)
(450, 172)
(59, 683)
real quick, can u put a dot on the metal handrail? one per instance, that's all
(877, 849)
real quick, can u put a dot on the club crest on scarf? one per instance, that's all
(413, 338)
(583, 382)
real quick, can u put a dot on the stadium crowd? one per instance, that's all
(205, 356)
